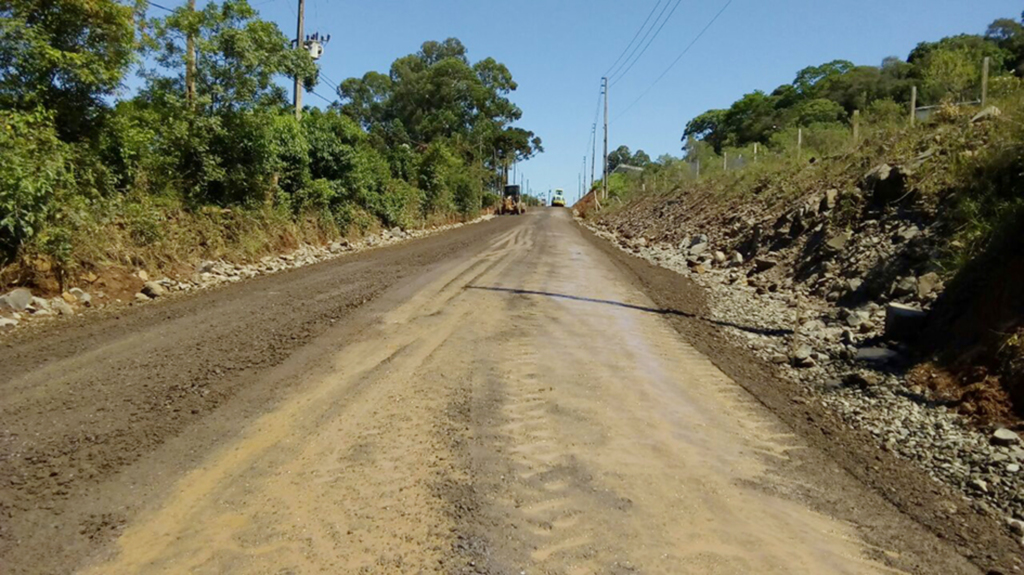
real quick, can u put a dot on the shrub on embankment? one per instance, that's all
(209, 160)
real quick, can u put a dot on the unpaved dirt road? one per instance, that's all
(498, 399)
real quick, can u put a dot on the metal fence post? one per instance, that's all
(913, 105)
(984, 81)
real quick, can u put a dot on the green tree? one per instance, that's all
(618, 157)
(65, 56)
(708, 127)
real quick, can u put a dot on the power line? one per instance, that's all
(642, 52)
(674, 62)
(635, 36)
(330, 82)
(321, 97)
(155, 5)
(642, 40)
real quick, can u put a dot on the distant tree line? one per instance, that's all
(950, 69)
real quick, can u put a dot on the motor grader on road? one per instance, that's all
(511, 202)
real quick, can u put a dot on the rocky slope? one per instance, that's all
(20, 308)
(835, 288)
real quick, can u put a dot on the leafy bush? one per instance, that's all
(34, 176)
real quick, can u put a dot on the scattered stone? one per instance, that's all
(904, 286)
(1012, 468)
(779, 358)
(876, 355)
(927, 284)
(153, 290)
(978, 485)
(861, 379)
(903, 322)
(7, 323)
(1004, 437)
(81, 295)
(141, 297)
(801, 356)
(143, 275)
(62, 307)
(1016, 526)
(90, 277)
(69, 297)
(720, 258)
(763, 265)
(837, 243)
(736, 259)
(16, 300)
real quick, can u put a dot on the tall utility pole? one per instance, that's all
(593, 155)
(190, 59)
(300, 41)
(604, 179)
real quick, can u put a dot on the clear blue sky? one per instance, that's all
(557, 51)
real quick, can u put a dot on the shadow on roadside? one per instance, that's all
(661, 311)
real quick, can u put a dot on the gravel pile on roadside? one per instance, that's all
(842, 359)
(19, 307)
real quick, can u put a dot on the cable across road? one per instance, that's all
(676, 61)
(648, 45)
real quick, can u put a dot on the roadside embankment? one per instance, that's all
(885, 281)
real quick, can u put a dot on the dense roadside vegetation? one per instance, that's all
(93, 174)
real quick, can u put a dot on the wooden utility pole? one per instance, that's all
(725, 161)
(984, 81)
(604, 179)
(593, 154)
(913, 105)
(300, 42)
(190, 58)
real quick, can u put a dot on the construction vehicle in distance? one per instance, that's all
(558, 199)
(512, 202)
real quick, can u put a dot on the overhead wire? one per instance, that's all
(648, 45)
(321, 97)
(635, 36)
(674, 62)
(636, 48)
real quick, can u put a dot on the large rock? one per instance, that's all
(886, 183)
(699, 249)
(154, 290)
(1005, 437)
(829, 201)
(7, 323)
(17, 300)
(903, 322)
(81, 295)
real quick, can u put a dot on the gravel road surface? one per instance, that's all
(502, 398)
